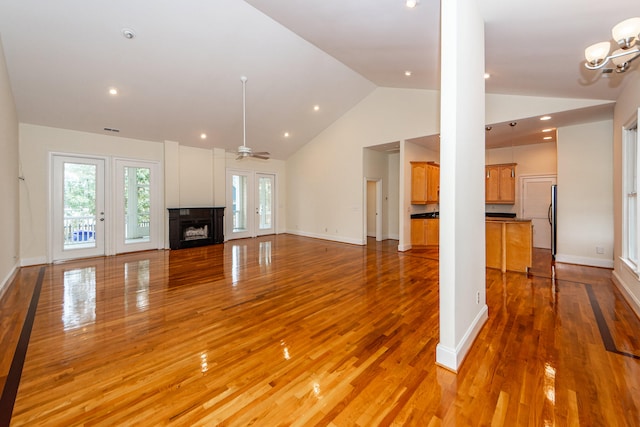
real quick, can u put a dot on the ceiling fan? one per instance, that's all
(243, 150)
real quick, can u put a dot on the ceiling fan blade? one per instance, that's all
(258, 156)
(261, 153)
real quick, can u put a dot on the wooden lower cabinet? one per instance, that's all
(425, 232)
(509, 245)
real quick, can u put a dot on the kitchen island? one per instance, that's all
(509, 244)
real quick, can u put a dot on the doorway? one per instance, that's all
(251, 196)
(373, 209)
(535, 202)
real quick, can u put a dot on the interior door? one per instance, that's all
(78, 217)
(136, 215)
(265, 203)
(536, 199)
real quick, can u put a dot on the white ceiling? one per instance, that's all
(180, 75)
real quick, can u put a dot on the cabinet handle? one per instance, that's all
(513, 175)
(488, 174)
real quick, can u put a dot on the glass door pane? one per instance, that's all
(137, 204)
(238, 217)
(136, 225)
(265, 198)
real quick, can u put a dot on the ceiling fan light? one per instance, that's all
(626, 32)
(624, 57)
(596, 53)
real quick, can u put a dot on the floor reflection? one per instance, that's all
(79, 301)
(136, 281)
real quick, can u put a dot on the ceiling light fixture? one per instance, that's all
(203, 136)
(411, 3)
(407, 73)
(286, 134)
(626, 35)
(113, 91)
(316, 108)
(128, 33)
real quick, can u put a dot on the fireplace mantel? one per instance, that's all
(191, 227)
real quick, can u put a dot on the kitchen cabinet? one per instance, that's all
(425, 232)
(509, 244)
(425, 183)
(500, 184)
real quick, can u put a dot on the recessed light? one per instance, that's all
(128, 33)
(411, 3)
(203, 136)
(547, 130)
(487, 75)
(316, 108)
(286, 134)
(545, 118)
(407, 73)
(113, 91)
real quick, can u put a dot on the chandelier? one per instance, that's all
(626, 35)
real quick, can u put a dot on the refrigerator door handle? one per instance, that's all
(549, 214)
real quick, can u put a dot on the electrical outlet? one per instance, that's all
(599, 250)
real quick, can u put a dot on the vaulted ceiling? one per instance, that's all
(179, 76)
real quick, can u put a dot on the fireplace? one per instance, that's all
(190, 227)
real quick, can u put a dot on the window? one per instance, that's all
(630, 191)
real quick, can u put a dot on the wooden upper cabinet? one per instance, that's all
(425, 183)
(500, 184)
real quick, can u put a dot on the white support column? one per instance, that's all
(463, 308)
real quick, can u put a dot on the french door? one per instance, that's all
(136, 214)
(78, 217)
(251, 198)
(97, 213)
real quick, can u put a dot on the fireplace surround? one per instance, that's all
(191, 227)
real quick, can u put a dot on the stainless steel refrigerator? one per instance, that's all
(553, 219)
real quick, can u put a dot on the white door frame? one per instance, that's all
(271, 230)
(252, 203)
(156, 231)
(102, 243)
(378, 182)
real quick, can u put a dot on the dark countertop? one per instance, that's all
(425, 215)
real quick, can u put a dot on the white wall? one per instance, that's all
(393, 197)
(585, 194)
(9, 172)
(626, 109)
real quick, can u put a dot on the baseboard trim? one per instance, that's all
(4, 285)
(26, 262)
(626, 293)
(451, 358)
(328, 237)
(591, 262)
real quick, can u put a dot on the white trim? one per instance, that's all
(450, 358)
(633, 301)
(8, 279)
(592, 262)
(404, 247)
(27, 262)
(328, 237)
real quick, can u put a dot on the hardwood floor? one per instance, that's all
(286, 330)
